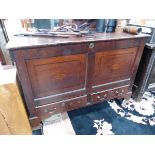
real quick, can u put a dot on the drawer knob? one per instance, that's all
(91, 45)
(98, 97)
(117, 92)
(105, 95)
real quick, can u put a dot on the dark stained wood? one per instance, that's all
(90, 69)
(57, 107)
(113, 84)
(113, 65)
(59, 97)
(120, 92)
(47, 110)
(137, 60)
(60, 50)
(58, 74)
(35, 122)
(24, 42)
(145, 77)
(2, 59)
(25, 83)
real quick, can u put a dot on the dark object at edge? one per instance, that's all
(150, 40)
(101, 25)
(132, 29)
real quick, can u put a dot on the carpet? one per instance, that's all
(116, 117)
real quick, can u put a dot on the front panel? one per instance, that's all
(114, 66)
(57, 75)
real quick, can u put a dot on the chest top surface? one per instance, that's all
(24, 42)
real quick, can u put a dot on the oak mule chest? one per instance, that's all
(62, 74)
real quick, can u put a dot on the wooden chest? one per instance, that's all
(59, 75)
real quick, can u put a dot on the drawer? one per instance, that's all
(50, 109)
(76, 103)
(109, 94)
(62, 106)
(119, 92)
(101, 96)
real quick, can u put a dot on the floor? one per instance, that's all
(58, 124)
(9, 73)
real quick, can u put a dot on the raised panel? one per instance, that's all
(114, 65)
(56, 75)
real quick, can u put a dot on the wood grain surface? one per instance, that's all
(22, 42)
(13, 116)
(62, 74)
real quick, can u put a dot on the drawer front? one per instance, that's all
(62, 106)
(50, 109)
(109, 94)
(76, 103)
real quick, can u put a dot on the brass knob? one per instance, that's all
(91, 45)
(105, 96)
(98, 97)
(117, 92)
